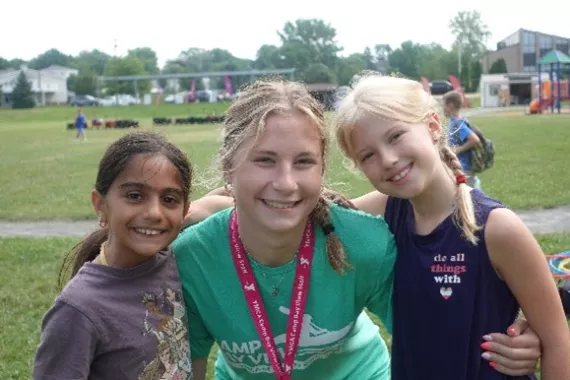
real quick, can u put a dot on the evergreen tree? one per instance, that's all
(22, 96)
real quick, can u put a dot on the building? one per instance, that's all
(503, 90)
(522, 50)
(49, 85)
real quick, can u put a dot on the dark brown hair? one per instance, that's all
(115, 159)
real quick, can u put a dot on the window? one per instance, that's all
(529, 38)
(562, 46)
(529, 42)
(494, 89)
(545, 42)
(529, 59)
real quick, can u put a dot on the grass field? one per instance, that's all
(48, 175)
(29, 268)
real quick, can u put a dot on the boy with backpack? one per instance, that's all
(474, 150)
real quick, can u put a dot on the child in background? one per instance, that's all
(121, 316)
(461, 138)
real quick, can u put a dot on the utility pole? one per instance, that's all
(116, 74)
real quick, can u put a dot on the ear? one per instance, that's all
(98, 202)
(435, 127)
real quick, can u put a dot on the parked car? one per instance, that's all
(85, 100)
(440, 87)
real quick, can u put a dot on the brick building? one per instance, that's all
(522, 50)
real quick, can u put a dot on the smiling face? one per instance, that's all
(276, 179)
(399, 159)
(143, 208)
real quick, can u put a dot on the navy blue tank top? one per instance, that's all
(447, 295)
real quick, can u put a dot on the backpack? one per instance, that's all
(483, 154)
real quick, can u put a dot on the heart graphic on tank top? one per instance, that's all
(445, 292)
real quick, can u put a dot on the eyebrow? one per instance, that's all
(273, 154)
(139, 185)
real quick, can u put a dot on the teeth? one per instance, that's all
(145, 231)
(401, 175)
(280, 205)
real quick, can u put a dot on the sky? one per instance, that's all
(241, 27)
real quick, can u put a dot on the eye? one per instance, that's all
(365, 156)
(306, 162)
(264, 160)
(171, 200)
(134, 196)
(396, 136)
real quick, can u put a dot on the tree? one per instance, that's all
(499, 67)
(85, 83)
(51, 57)
(148, 58)
(377, 60)
(125, 66)
(348, 66)
(4, 64)
(470, 31)
(268, 57)
(406, 59)
(308, 41)
(22, 96)
(319, 73)
(471, 35)
(94, 60)
(436, 63)
(196, 60)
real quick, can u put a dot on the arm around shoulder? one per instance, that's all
(373, 203)
(206, 206)
(67, 344)
(519, 260)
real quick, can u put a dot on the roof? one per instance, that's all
(554, 56)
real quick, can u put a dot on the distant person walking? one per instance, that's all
(80, 125)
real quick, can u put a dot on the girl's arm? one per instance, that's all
(373, 203)
(206, 206)
(67, 344)
(519, 260)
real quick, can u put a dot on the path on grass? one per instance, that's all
(540, 221)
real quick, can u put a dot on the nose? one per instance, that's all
(285, 179)
(154, 208)
(389, 158)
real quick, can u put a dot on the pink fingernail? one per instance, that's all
(488, 338)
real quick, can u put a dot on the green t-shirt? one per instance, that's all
(338, 339)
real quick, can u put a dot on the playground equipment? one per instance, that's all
(553, 91)
(559, 264)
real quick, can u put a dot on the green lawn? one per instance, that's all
(29, 269)
(67, 113)
(48, 175)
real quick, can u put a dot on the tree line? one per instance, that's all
(309, 45)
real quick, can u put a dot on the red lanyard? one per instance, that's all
(255, 303)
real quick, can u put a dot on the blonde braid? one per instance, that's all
(335, 250)
(464, 214)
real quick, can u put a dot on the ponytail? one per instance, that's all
(464, 213)
(83, 252)
(335, 250)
